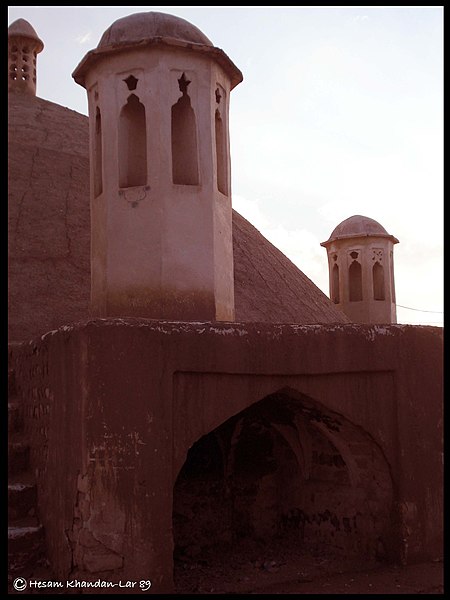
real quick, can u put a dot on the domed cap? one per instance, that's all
(359, 226)
(21, 28)
(149, 25)
(155, 28)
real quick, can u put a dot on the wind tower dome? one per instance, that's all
(161, 217)
(361, 270)
(23, 47)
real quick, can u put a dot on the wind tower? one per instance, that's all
(361, 270)
(23, 47)
(161, 217)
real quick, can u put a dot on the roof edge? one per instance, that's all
(393, 239)
(217, 54)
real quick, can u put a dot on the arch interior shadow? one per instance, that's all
(284, 473)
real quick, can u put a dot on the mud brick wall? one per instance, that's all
(112, 407)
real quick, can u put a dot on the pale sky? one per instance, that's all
(340, 113)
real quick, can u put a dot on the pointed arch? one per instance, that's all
(98, 154)
(184, 143)
(286, 470)
(378, 281)
(335, 284)
(355, 282)
(221, 154)
(132, 144)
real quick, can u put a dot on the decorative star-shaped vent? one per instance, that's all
(131, 82)
(183, 82)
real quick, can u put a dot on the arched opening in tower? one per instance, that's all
(184, 139)
(132, 144)
(281, 486)
(391, 259)
(355, 282)
(221, 154)
(98, 154)
(335, 285)
(378, 281)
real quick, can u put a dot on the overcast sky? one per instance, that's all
(340, 113)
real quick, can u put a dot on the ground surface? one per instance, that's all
(288, 574)
(284, 570)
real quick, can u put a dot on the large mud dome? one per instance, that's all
(284, 483)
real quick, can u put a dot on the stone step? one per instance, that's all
(18, 457)
(22, 498)
(21, 561)
(25, 542)
(15, 418)
(39, 571)
(26, 539)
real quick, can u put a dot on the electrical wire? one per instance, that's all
(437, 312)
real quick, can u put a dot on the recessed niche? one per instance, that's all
(132, 144)
(184, 138)
(355, 281)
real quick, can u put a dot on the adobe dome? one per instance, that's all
(21, 28)
(149, 25)
(48, 213)
(358, 226)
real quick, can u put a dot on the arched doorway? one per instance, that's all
(282, 484)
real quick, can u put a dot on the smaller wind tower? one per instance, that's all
(361, 269)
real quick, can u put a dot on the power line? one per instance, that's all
(438, 312)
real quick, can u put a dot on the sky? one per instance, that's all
(340, 113)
